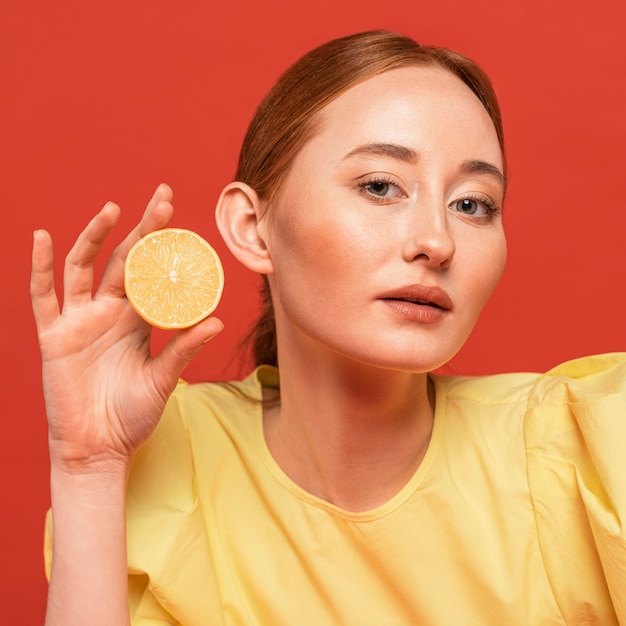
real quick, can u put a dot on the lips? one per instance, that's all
(423, 295)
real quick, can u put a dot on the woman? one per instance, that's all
(364, 490)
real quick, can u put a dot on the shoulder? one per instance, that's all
(576, 420)
(198, 418)
(199, 401)
(575, 437)
(603, 374)
(585, 397)
(573, 412)
(593, 375)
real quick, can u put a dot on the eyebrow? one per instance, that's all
(408, 155)
(483, 167)
(395, 151)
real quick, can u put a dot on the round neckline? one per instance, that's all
(271, 374)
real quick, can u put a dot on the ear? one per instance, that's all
(238, 214)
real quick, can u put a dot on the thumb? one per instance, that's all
(181, 349)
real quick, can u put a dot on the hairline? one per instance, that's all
(315, 118)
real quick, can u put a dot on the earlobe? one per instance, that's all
(237, 215)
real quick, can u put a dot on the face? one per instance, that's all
(386, 236)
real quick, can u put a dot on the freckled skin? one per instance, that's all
(337, 244)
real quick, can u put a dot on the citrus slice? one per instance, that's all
(173, 278)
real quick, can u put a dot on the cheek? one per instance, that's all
(305, 256)
(301, 245)
(322, 239)
(486, 271)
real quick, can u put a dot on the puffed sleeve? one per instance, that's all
(144, 608)
(575, 433)
(170, 578)
(169, 560)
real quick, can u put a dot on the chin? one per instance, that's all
(418, 359)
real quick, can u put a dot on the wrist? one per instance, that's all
(99, 483)
(65, 461)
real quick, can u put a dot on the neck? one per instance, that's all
(350, 434)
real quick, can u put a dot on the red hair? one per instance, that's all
(287, 116)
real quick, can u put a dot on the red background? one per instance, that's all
(105, 100)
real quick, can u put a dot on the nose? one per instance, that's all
(427, 237)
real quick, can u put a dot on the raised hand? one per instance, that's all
(104, 393)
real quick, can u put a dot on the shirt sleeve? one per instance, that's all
(144, 609)
(169, 557)
(575, 433)
(170, 577)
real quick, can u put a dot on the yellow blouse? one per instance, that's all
(517, 514)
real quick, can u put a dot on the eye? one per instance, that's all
(380, 188)
(467, 206)
(482, 206)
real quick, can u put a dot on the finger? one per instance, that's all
(181, 350)
(156, 216)
(43, 296)
(79, 263)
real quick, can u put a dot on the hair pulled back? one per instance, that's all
(286, 118)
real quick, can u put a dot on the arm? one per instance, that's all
(88, 578)
(104, 395)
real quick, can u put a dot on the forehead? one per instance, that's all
(422, 107)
